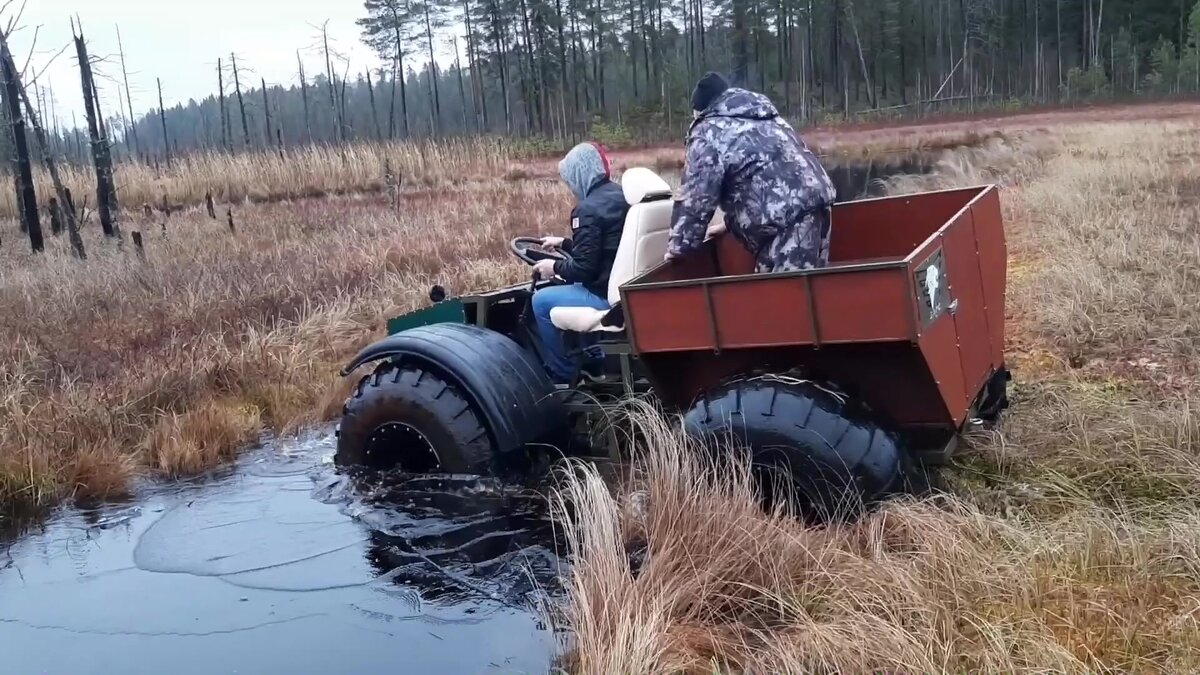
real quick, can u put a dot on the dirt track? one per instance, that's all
(895, 133)
(1027, 120)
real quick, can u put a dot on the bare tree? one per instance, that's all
(304, 94)
(237, 88)
(128, 96)
(267, 116)
(62, 208)
(27, 196)
(224, 110)
(106, 191)
(162, 116)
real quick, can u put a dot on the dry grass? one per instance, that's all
(118, 367)
(361, 168)
(306, 172)
(1068, 541)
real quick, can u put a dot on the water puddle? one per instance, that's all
(864, 180)
(279, 564)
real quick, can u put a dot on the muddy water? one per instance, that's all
(863, 180)
(279, 564)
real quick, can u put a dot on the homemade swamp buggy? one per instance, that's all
(844, 377)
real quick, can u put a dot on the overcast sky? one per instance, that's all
(180, 42)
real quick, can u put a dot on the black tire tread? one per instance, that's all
(836, 450)
(410, 393)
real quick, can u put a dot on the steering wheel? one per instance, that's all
(529, 250)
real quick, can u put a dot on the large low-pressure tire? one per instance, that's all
(834, 457)
(409, 417)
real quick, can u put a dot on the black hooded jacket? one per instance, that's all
(596, 226)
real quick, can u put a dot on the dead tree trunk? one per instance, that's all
(266, 116)
(128, 99)
(61, 206)
(462, 89)
(304, 95)
(106, 203)
(237, 87)
(374, 111)
(25, 190)
(338, 120)
(224, 110)
(162, 116)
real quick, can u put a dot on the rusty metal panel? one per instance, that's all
(939, 345)
(891, 227)
(965, 285)
(763, 312)
(863, 305)
(669, 319)
(732, 257)
(993, 265)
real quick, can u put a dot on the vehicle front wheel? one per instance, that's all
(409, 417)
(833, 458)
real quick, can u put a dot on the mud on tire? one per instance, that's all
(835, 457)
(410, 416)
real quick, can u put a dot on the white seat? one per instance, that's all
(643, 244)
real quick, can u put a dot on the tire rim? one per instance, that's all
(411, 450)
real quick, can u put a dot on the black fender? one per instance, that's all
(509, 387)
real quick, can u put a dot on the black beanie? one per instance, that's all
(707, 90)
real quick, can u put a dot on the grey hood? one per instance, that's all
(582, 169)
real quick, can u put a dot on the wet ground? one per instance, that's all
(864, 180)
(280, 565)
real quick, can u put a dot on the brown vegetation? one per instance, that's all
(1068, 540)
(114, 367)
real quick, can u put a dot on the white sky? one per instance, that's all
(180, 42)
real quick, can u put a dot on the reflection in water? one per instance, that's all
(282, 565)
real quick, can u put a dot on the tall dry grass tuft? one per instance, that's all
(680, 571)
(201, 437)
(1067, 540)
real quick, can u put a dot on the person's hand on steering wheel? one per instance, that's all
(552, 243)
(544, 269)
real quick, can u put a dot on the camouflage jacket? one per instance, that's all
(744, 157)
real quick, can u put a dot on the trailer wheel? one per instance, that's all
(411, 418)
(831, 455)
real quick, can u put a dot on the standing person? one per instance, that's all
(596, 224)
(744, 157)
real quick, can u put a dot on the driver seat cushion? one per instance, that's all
(643, 245)
(582, 320)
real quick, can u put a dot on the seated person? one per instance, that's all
(744, 157)
(596, 224)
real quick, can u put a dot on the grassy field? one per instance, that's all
(413, 167)
(1069, 539)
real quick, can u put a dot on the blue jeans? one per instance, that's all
(574, 295)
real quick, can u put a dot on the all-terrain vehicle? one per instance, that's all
(842, 375)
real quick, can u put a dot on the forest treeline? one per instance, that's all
(623, 69)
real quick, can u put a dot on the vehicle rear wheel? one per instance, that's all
(831, 456)
(410, 417)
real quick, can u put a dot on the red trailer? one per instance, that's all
(908, 316)
(841, 376)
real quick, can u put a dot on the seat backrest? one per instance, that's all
(647, 227)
